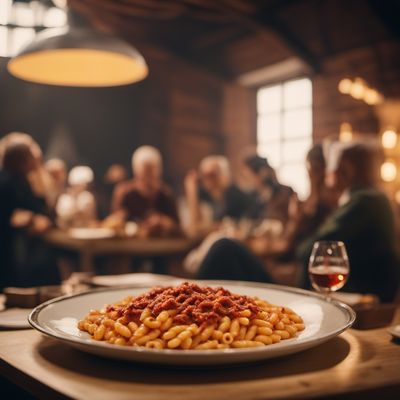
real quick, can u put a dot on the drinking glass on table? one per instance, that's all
(328, 267)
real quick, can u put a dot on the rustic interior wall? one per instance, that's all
(378, 65)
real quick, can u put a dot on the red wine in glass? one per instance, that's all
(328, 268)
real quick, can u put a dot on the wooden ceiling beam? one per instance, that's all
(388, 12)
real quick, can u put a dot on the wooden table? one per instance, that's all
(121, 246)
(357, 364)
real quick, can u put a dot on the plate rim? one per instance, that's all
(34, 315)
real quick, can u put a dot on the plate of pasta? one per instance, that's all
(193, 323)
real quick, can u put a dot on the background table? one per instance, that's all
(357, 364)
(121, 246)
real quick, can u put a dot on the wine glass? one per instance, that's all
(328, 267)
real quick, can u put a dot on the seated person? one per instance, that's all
(146, 199)
(77, 207)
(306, 217)
(20, 208)
(212, 185)
(115, 174)
(269, 198)
(39, 178)
(364, 221)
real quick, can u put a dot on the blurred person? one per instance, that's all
(306, 217)
(212, 185)
(77, 207)
(40, 180)
(57, 170)
(269, 198)
(146, 199)
(20, 208)
(364, 221)
(114, 175)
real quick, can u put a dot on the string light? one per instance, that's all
(345, 86)
(359, 89)
(388, 171)
(389, 139)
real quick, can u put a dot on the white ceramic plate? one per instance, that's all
(323, 320)
(91, 233)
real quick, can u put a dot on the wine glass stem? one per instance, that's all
(328, 295)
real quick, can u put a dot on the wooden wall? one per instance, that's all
(378, 65)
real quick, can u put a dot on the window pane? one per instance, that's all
(269, 99)
(295, 150)
(20, 38)
(295, 175)
(5, 6)
(268, 127)
(23, 14)
(55, 17)
(297, 123)
(271, 151)
(3, 42)
(297, 93)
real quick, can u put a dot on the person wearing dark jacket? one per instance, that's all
(364, 221)
(19, 206)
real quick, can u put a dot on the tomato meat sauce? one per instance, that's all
(192, 303)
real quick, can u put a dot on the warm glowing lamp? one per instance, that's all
(389, 139)
(372, 97)
(357, 89)
(78, 56)
(388, 171)
(345, 86)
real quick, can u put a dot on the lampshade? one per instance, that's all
(78, 56)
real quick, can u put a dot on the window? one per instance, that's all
(19, 22)
(284, 130)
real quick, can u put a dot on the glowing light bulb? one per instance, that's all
(388, 171)
(357, 89)
(389, 139)
(345, 86)
(372, 97)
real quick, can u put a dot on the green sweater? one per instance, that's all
(366, 225)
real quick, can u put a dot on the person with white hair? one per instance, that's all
(212, 185)
(146, 199)
(77, 207)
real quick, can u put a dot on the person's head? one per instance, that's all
(18, 159)
(58, 171)
(316, 164)
(258, 173)
(215, 173)
(20, 137)
(115, 173)
(80, 177)
(147, 165)
(356, 167)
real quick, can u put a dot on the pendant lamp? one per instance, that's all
(78, 56)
